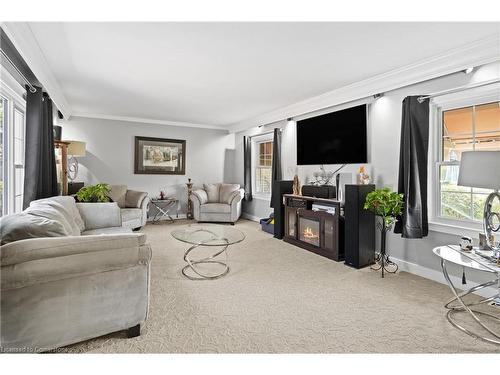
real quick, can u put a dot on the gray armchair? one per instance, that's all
(133, 205)
(217, 203)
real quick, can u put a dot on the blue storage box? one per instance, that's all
(269, 228)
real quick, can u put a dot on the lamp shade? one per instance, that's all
(480, 169)
(76, 148)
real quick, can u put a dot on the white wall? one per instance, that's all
(384, 125)
(110, 155)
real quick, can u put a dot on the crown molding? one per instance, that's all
(481, 52)
(149, 121)
(26, 44)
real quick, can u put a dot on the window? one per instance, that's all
(12, 132)
(471, 128)
(263, 166)
(19, 128)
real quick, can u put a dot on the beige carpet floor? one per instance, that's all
(279, 298)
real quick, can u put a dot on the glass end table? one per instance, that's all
(472, 260)
(163, 208)
(207, 235)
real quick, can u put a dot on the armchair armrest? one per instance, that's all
(100, 215)
(38, 260)
(135, 199)
(236, 196)
(199, 196)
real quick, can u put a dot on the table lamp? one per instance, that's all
(75, 149)
(481, 169)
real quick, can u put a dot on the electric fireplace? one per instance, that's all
(313, 229)
(309, 230)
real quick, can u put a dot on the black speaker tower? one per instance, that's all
(279, 188)
(359, 227)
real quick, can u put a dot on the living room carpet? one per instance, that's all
(279, 298)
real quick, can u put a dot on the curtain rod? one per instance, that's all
(265, 133)
(32, 88)
(457, 89)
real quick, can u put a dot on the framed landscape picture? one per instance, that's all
(159, 156)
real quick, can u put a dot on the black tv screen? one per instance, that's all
(334, 138)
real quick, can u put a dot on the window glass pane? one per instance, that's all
(457, 132)
(455, 200)
(488, 126)
(478, 201)
(456, 205)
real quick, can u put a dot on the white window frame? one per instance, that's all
(12, 91)
(256, 140)
(463, 99)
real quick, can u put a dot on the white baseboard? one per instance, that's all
(438, 276)
(247, 216)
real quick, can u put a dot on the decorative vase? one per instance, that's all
(296, 185)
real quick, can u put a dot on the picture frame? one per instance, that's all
(159, 156)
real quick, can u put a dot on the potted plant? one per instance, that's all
(93, 193)
(387, 205)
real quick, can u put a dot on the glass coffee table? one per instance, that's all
(207, 235)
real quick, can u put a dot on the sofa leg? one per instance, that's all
(232, 223)
(134, 331)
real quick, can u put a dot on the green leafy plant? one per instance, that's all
(385, 203)
(93, 193)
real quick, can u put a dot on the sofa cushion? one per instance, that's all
(118, 194)
(226, 192)
(110, 230)
(220, 208)
(23, 225)
(69, 205)
(212, 192)
(129, 214)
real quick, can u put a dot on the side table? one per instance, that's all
(453, 254)
(163, 208)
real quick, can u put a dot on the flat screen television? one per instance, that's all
(334, 138)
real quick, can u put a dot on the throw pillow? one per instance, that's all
(226, 192)
(22, 226)
(118, 194)
(54, 211)
(133, 199)
(212, 192)
(66, 206)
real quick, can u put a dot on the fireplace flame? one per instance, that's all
(309, 234)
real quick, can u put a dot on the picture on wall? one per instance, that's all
(159, 156)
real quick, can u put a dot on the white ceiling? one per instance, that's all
(223, 73)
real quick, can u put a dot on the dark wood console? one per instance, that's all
(314, 224)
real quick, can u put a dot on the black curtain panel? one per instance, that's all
(276, 166)
(247, 167)
(414, 146)
(40, 179)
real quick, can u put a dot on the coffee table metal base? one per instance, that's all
(192, 263)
